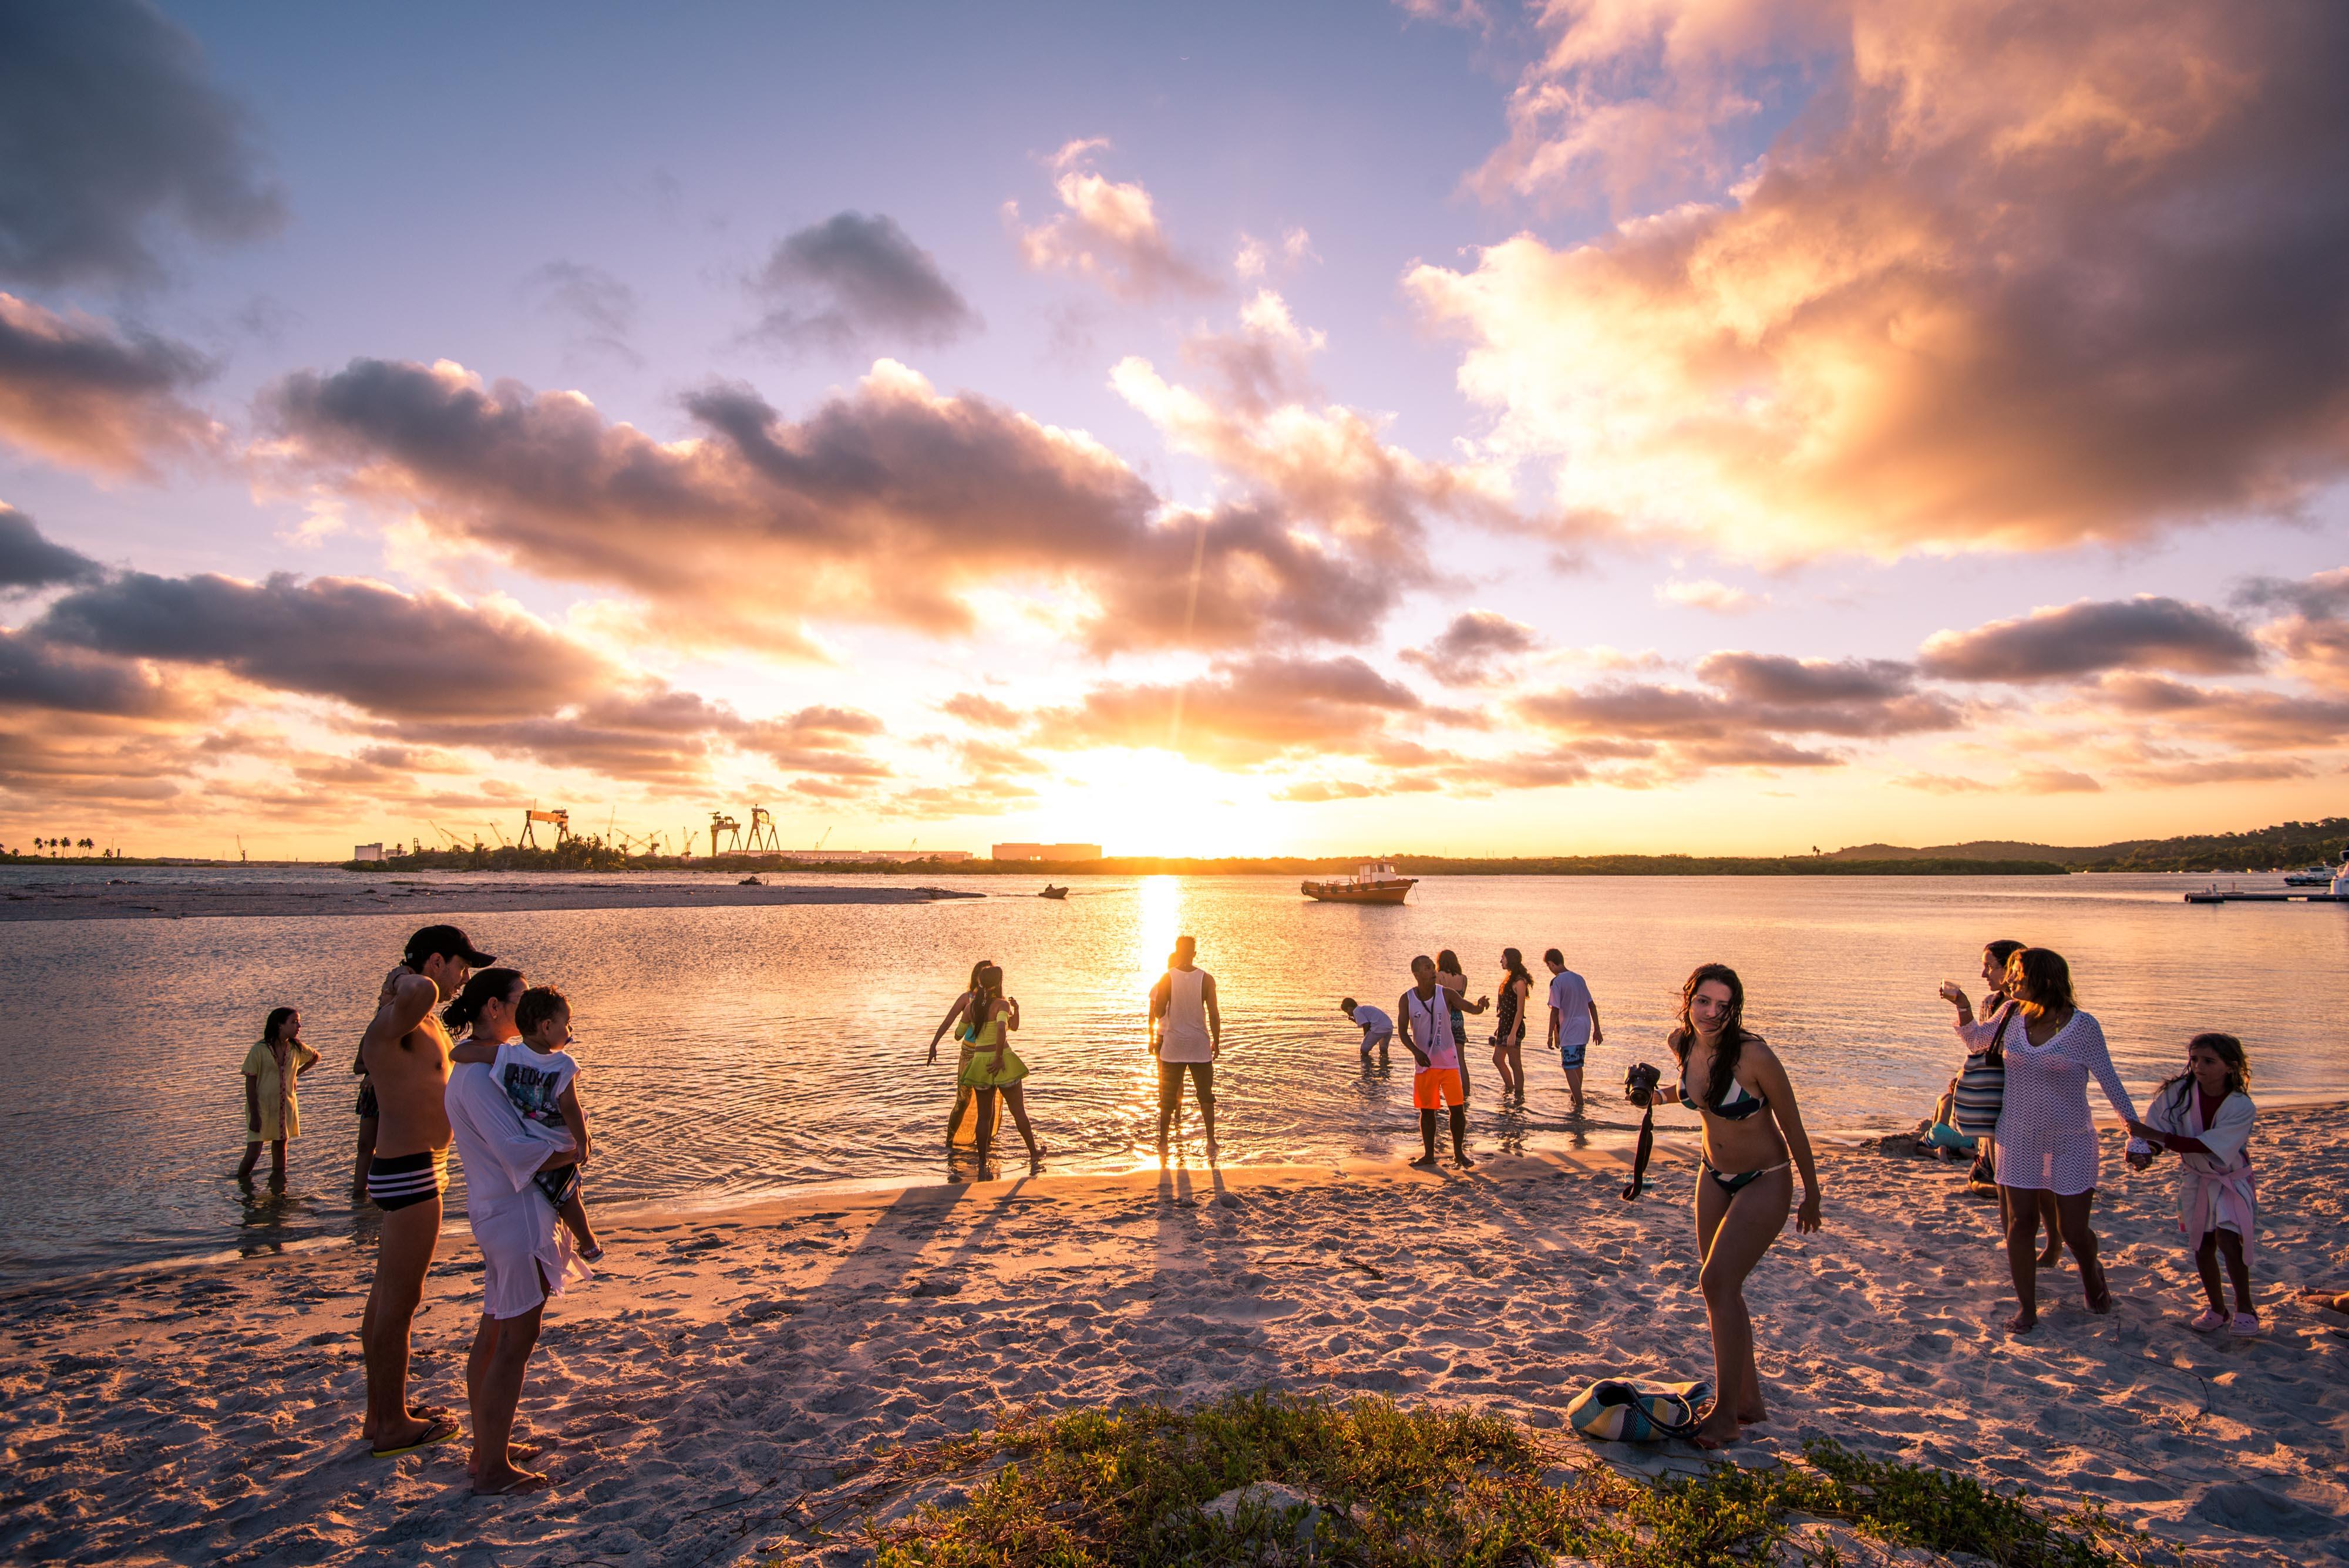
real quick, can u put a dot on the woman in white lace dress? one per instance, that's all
(2046, 1142)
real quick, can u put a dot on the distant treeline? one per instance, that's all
(2291, 844)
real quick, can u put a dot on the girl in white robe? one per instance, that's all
(2204, 1116)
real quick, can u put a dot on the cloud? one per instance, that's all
(2092, 636)
(1107, 233)
(1465, 654)
(2315, 639)
(34, 674)
(2012, 279)
(28, 561)
(1327, 463)
(2244, 720)
(982, 713)
(1758, 705)
(1705, 594)
(2024, 781)
(110, 127)
(77, 391)
(886, 504)
(1241, 713)
(390, 654)
(598, 309)
(834, 284)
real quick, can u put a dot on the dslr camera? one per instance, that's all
(1639, 1081)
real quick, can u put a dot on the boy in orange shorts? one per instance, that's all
(1424, 1017)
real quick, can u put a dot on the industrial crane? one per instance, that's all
(764, 839)
(721, 823)
(559, 820)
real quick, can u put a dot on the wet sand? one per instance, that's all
(698, 1400)
(365, 896)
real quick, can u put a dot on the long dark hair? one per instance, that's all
(2228, 1049)
(1515, 962)
(974, 972)
(487, 985)
(988, 982)
(1733, 1035)
(1448, 963)
(277, 1017)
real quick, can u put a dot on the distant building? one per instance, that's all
(367, 852)
(1048, 852)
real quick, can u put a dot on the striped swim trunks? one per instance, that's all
(398, 1180)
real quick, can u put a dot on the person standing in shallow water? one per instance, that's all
(1186, 1035)
(994, 1067)
(1426, 1016)
(272, 1114)
(962, 1123)
(1753, 1137)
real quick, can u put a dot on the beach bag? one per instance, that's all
(1980, 1092)
(1613, 1411)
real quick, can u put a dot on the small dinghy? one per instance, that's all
(1051, 892)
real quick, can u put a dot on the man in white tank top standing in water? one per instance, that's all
(1186, 1034)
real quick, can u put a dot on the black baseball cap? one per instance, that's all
(447, 942)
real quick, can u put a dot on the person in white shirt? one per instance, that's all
(1574, 1025)
(525, 1255)
(1377, 1028)
(1186, 1035)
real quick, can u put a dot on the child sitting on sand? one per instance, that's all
(540, 1078)
(1937, 1134)
(2204, 1116)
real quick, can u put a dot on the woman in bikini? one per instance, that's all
(962, 1125)
(1754, 1140)
(1509, 1026)
(994, 1067)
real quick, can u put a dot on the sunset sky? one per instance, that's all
(1709, 425)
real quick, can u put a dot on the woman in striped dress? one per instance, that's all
(2047, 1145)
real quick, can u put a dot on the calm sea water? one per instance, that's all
(733, 1052)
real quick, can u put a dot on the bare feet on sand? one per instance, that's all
(2023, 1322)
(1755, 1417)
(509, 1482)
(1719, 1430)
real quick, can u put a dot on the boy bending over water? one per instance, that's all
(540, 1076)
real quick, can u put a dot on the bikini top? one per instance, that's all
(1736, 1106)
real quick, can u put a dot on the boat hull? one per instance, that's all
(1342, 893)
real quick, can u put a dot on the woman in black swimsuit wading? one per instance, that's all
(1751, 1124)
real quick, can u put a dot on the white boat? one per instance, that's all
(1373, 882)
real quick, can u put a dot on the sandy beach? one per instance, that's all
(701, 1400)
(365, 895)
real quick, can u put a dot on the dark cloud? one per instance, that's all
(1759, 703)
(2315, 638)
(2247, 720)
(77, 391)
(886, 504)
(388, 653)
(109, 126)
(1465, 654)
(29, 561)
(834, 284)
(35, 674)
(598, 311)
(2091, 637)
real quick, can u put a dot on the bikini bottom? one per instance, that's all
(1733, 1182)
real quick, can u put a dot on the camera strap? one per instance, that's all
(1638, 1182)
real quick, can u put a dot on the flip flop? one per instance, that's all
(520, 1486)
(440, 1429)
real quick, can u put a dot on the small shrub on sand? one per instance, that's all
(1364, 1482)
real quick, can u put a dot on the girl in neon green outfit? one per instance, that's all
(994, 1066)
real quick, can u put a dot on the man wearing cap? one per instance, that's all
(405, 1052)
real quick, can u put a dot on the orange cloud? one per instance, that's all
(2025, 277)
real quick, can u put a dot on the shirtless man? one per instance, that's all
(405, 1052)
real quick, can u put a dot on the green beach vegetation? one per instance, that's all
(1267, 1477)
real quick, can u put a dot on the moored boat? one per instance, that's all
(1374, 882)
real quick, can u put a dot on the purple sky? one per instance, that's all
(1618, 425)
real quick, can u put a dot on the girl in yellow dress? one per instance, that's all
(993, 1066)
(271, 1114)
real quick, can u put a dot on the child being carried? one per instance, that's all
(540, 1076)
